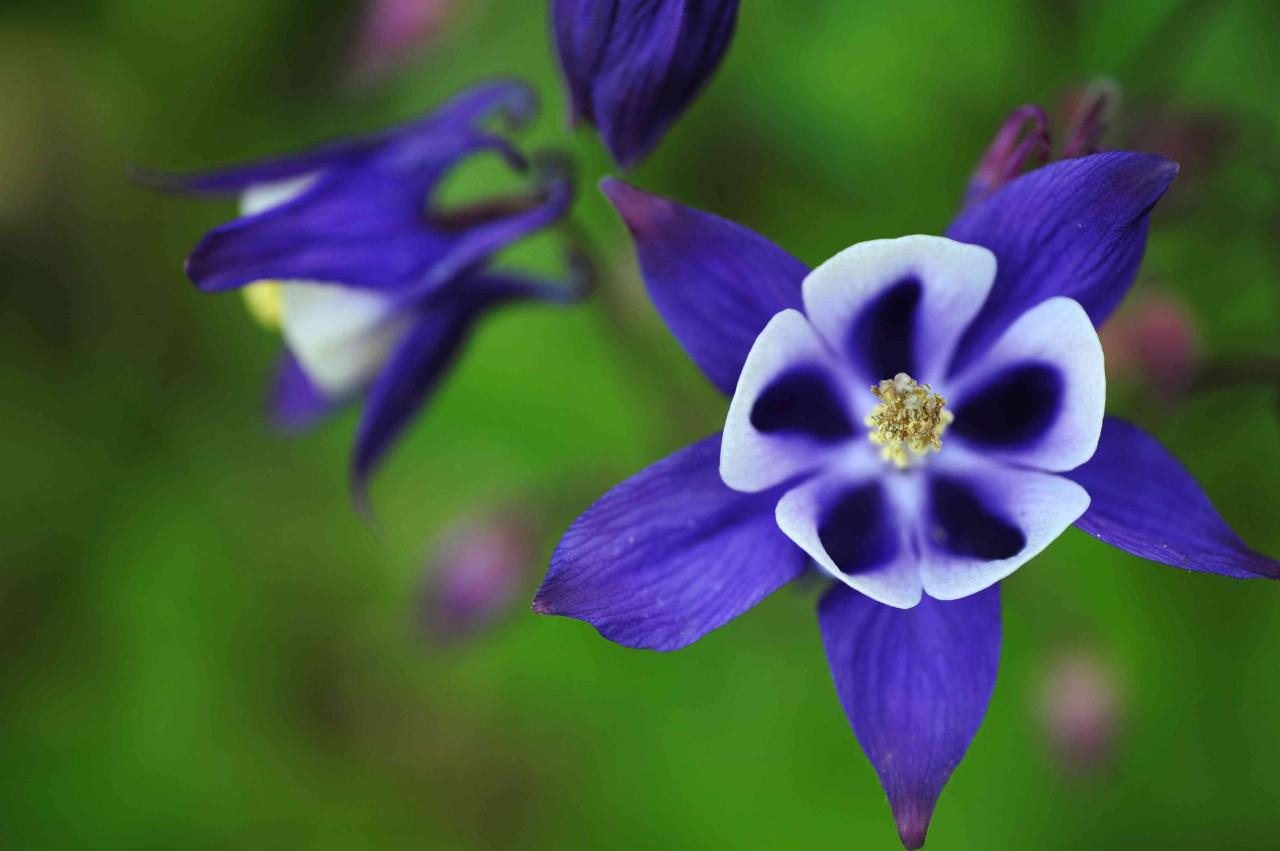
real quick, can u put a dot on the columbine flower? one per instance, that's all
(373, 287)
(633, 66)
(919, 417)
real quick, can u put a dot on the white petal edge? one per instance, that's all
(1058, 332)
(751, 461)
(955, 278)
(1041, 505)
(896, 583)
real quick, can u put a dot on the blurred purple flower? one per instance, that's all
(1025, 141)
(392, 33)
(477, 571)
(1078, 709)
(375, 288)
(1154, 341)
(632, 67)
(998, 318)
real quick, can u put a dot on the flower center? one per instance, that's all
(265, 303)
(909, 416)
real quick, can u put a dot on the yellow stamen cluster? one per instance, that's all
(265, 302)
(909, 416)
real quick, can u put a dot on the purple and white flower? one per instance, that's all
(632, 67)
(918, 417)
(374, 287)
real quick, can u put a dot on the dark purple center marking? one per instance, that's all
(858, 531)
(882, 339)
(802, 401)
(965, 526)
(1017, 408)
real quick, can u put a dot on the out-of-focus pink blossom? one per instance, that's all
(393, 33)
(1079, 710)
(1154, 341)
(478, 571)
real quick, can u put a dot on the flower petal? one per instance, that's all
(791, 409)
(416, 366)
(1075, 228)
(363, 226)
(899, 305)
(1146, 503)
(633, 68)
(715, 283)
(983, 520)
(915, 685)
(464, 112)
(294, 402)
(857, 524)
(340, 336)
(1037, 396)
(669, 555)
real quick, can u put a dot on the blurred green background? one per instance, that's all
(203, 646)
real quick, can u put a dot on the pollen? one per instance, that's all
(265, 303)
(910, 417)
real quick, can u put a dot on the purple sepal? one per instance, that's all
(416, 366)
(633, 68)
(669, 555)
(915, 684)
(511, 98)
(294, 403)
(1146, 503)
(1022, 141)
(1075, 228)
(364, 226)
(715, 283)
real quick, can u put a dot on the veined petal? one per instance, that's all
(669, 555)
(1146, 503)
(915, 685)
(715, 283)
(1076, 228)
(295, 402)
(981, 521)
(463, 113)
(899, 305)
(364, 226)
(791, 410)
(1037, 396)
(415, 367)
(633, 68)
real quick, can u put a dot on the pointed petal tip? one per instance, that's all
(913, 825)
(639, 210)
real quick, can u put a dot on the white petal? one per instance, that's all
(1039, 505)
(953, 278)
(264, 196)
(1057, 337)
(341, 336)
(893, 576)
(753, 460)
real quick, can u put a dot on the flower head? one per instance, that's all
(998, 319)
(633, 66)
(375, 289)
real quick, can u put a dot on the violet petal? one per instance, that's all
(669, 555)
(1146, 503)
(1075, 228)
(915, 685)
(715, 283)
